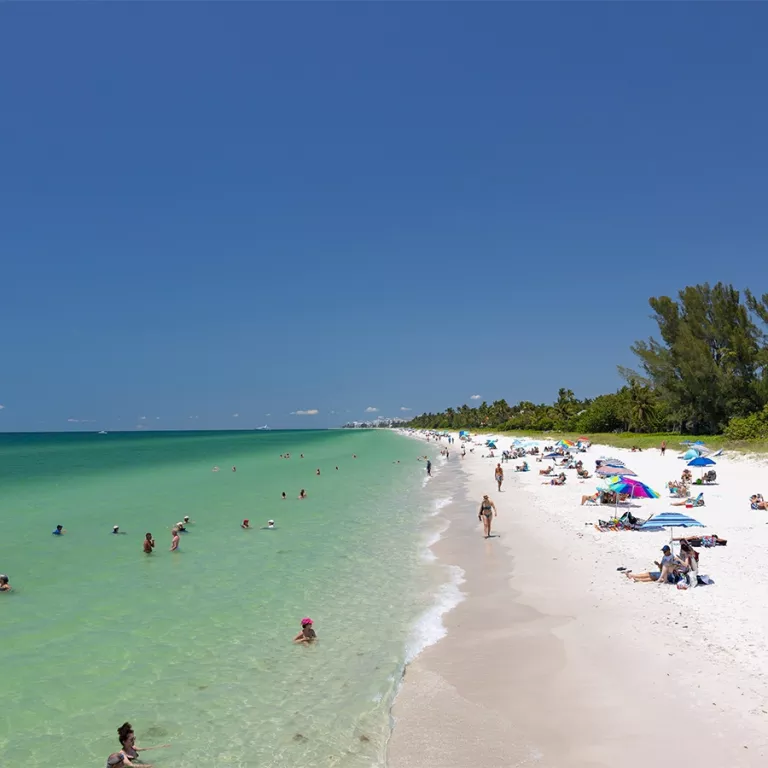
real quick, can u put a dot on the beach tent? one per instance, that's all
(691, 453)
(491, 444)
(463, 433)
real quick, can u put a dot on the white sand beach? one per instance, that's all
(556, 659)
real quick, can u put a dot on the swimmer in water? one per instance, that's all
(302, 455)
(307, 634)
(303, 494)
(354, 455)
(245, 524)
(59, 530)
(215, 469)
(187, 521)
(284, 496)
(234, 469)
(149, 543)
(317, 471)
(270, 526)
(337, 469)
(180, 527)
(174, 540)
(115, 529)
(4, 585)
(127, 738)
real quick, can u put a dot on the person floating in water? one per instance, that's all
(284, 496)
(303, 494)
(317, 471)
(270, 526)
(245, 524)
(59, 530)
(215, 469)
(234, 469)
(307, 634)
(149, 543)
(174, 540)
(4, 585)
(127, 738)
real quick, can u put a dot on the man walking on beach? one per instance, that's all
(663, 447)
(499, 476)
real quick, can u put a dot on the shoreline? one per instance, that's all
(555, 660)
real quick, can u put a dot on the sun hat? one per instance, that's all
(665, 548)
(306, 621)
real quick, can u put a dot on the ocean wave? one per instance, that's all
(429, 628)
(441, 504)
(432, 538)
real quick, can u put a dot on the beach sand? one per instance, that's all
(556, 659)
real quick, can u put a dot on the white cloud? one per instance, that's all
(157, 418)
(310, 412)
(1, 407)
(371, 409)
(194, 417)
(476, 397)
(73, 421)
(269, 414)
(142, 418)
(403, 408)
(81, 421)
(235, 415)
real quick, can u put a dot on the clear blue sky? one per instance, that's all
(257, 208)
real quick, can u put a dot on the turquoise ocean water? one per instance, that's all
(194, 647)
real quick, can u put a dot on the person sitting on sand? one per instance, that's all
(593, 498)
(666, 572)
(583, 473)
(307, 634)
(127, 738)
(4, 585)
(690, 563)
(756, 501)
(522, 467)
(486, 514)
(687, 476)
(559, 480)
(547, 471)
(149, 543)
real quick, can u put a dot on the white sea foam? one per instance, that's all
(432, 538)
(441, 504)
(430, 628)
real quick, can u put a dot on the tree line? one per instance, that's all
(706, 373)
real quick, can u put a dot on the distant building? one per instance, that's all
(380, 423)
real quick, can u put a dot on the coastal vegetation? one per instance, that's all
(706, 374)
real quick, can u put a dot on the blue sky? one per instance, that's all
(259, 208)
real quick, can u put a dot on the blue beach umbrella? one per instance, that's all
(701, 461)
(670, 520)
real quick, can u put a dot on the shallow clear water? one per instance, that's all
(194, 647)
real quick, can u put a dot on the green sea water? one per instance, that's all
(194, 647)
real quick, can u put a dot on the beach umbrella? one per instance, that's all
(635, 488)
(701, 461)
(553, 456)
(670, 520)
(692, 453)
(566, 444)
(605, 471)
(491, 444)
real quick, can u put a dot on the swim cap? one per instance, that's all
(186, 518)
(3, 578)
(305, 622)
(246, 521)
(270, 522)
(115, 527)
(179, 524)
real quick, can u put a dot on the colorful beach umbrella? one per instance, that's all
(566, 443)
(635, 488)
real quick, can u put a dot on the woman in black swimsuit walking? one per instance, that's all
(486, 515)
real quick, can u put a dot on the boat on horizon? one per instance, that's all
(265, 428)
(103, 432)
